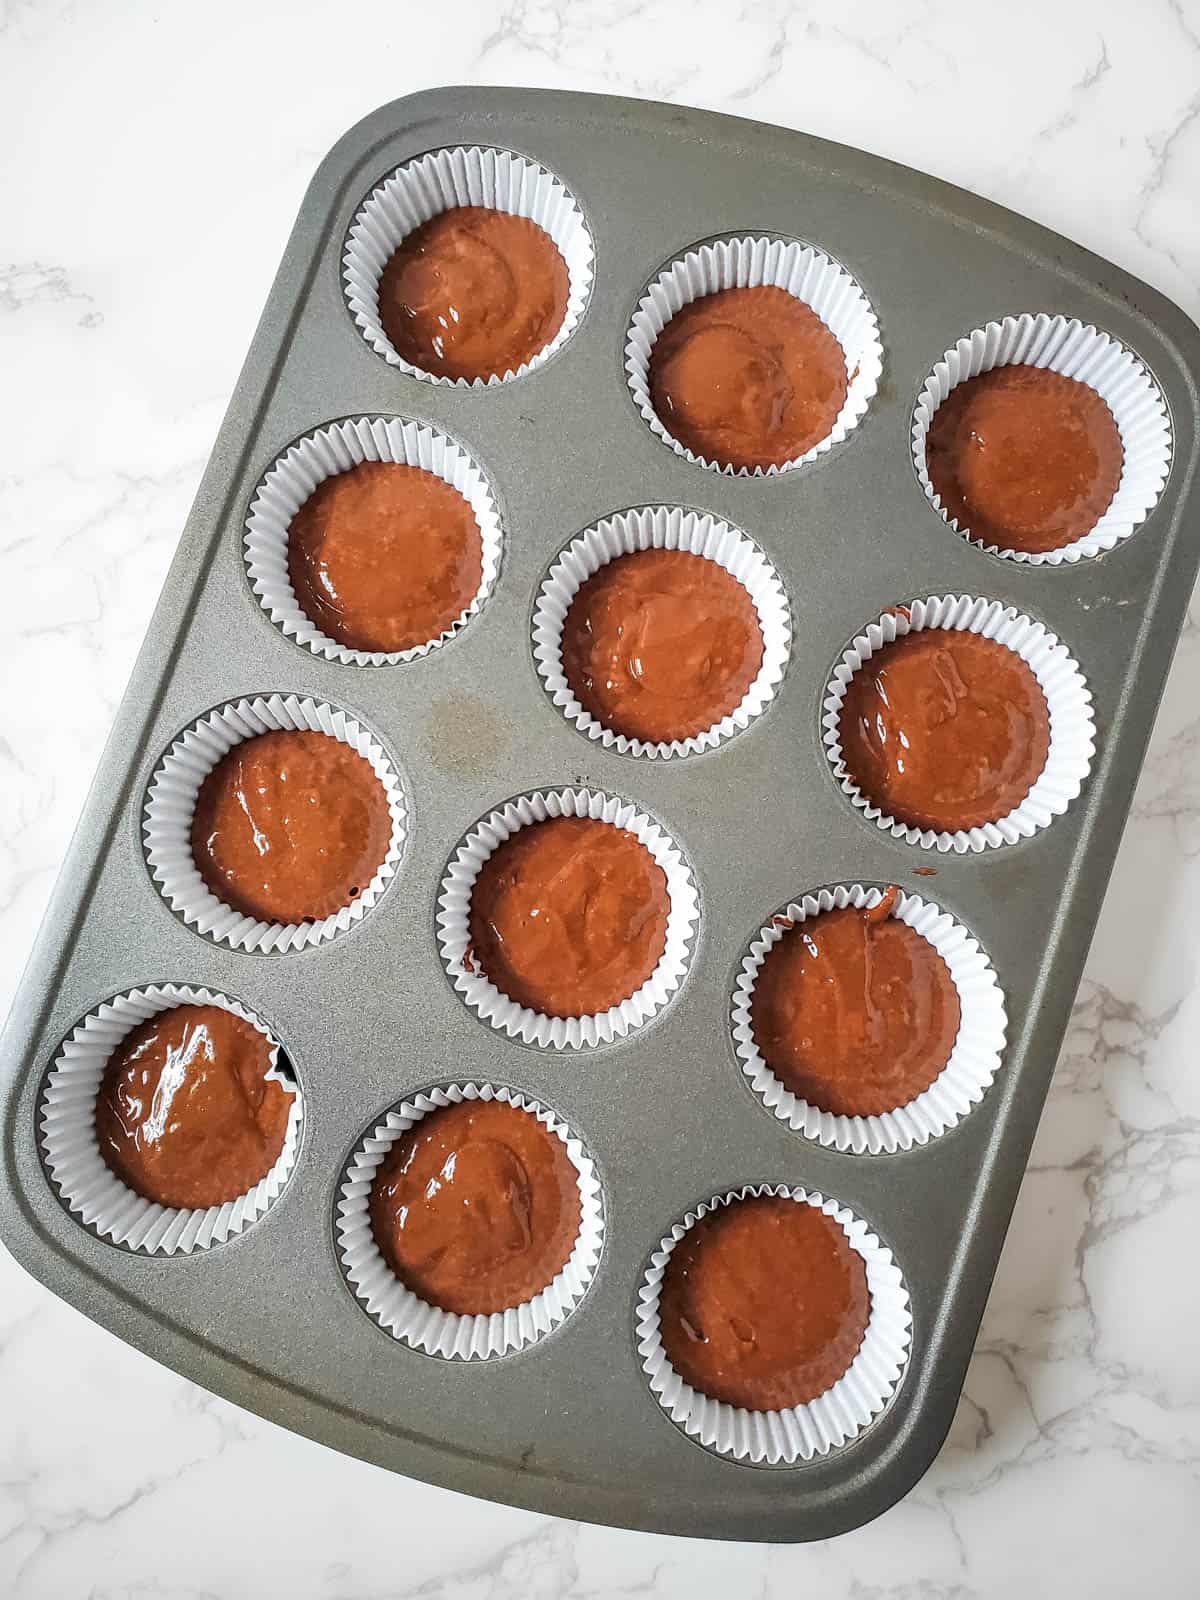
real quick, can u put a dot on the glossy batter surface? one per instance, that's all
(290, 826)
(476, 1208)
(764, 1304)
(747, 377)
(473, 293)
(186, 1115)
(661, 644)
(569, 916)
(945, 730)
(854, 1011)
(384, 557)
(1023, 458)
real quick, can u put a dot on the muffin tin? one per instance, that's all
(368, 1018)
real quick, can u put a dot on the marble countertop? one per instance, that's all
(154, 159)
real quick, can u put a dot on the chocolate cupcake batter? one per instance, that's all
(661, 644)
(1023, 458)
(186, 1115)
(473, 293)
(854, 1011)
(384, 557)
(747, 377)
(476, 1208)
(944, 729)
(569, 916)
(764, 1303)
(290, 826)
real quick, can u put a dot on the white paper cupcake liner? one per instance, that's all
(440, 181)
(171, 801)
(662, 528)
(324, 454)
(1079, 351)
(414, 1321)
(520, 1022)
(1072, 727)
(963, 1081)
(798, 1433)
(84, 1182)
(747, 263)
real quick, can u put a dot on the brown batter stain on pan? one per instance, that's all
(464, 737)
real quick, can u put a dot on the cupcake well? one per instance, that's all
(797, 1433)
(521, 1022)
(439, 181)
(324, 454)
(974, 1060)
(171, 801)
(413, 1321)
(78, 1173)
(1068, 700)
(752, 262)
(1080, 351)
(662, 528)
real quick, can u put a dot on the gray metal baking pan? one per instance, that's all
(569, 1425)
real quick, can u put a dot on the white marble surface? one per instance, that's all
(134, 259)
